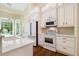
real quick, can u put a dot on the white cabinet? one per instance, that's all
(60, 17)
(43, 20)
(53, 13)
(66, 45)
(66, 16)
(48, 14)
(69, 15)
(59, 44)
(60, 4)
(43, 24)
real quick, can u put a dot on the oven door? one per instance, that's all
(50, 41)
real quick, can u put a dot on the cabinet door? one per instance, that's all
(69, 41)
(69, 15)
(53, 13)
(43, 21)
(47, 15)
(69, 45)
(59, 43)
(61, 17)
(60, 4)
(66, 45)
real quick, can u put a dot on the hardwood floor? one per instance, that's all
(40, 51)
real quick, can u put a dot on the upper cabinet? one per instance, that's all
(60, 4)
(52, 5)
(49, 13)
(63, 13)
(61, 17)
(69, 15)
(49, 6)
(66, 15)
(53, 13)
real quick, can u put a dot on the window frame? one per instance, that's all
(13, 25)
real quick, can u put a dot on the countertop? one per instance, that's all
(11, 45)
(65, 35)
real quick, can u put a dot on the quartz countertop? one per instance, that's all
(14, 44)
(66, 35)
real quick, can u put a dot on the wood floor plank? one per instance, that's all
(40, 51)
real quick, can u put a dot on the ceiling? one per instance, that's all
(21, 7)
(15, 6)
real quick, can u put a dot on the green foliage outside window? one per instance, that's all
(6, 27)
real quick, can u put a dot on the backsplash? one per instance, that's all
(66, 30)
(44, 30)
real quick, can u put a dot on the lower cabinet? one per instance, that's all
(66, 45)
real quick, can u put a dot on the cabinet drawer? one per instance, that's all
(66, 45)
(70, 42)
(59, 41)
(69, 50)
(70, 39)
(59, 47)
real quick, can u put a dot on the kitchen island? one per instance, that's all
(18, 47)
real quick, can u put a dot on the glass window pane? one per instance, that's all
(17, 26)
(6, 28)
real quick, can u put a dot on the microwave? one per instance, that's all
(51, 23)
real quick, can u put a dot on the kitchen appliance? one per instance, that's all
(50, 43)
(51, 23)
(50, 40)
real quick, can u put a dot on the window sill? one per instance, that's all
(7, 35)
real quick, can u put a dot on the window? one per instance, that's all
(17, 27)
(6, 28)
(9, 27)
